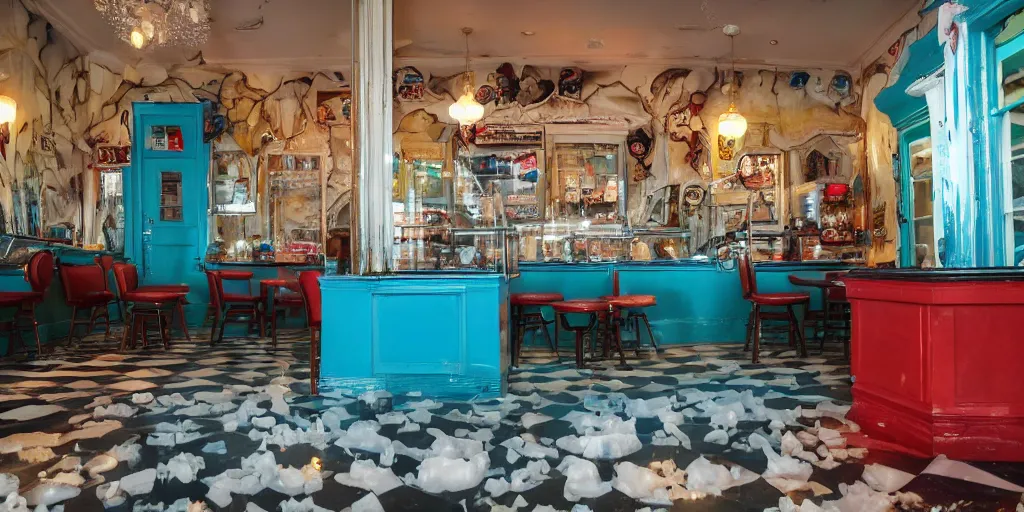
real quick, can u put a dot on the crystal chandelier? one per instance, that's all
(732, 124)
(467, 111)
(147, 24)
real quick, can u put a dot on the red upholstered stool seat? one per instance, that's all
(581, 306)
(11, 299)
(174, 288)
(534, 299)
(632, 301)
(780, 299)
(147, 297)
(240, 298)
(235, 275)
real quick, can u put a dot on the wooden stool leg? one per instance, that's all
(223, 322)
(273, 328)
(750, 330)
(636, 330)
(556, 317)
(179, 311)
(650, 332)
(74, 320)
(547, 335)
(164, 325)
(127, 321)
(579, 348)
(795, 325)
(757, 335)
(93, 315)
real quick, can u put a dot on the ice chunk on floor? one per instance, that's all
(8, 483)
(717, 437)
(705, 477)
(496, 487)
(48, 492)
(641, 484)
(293, 481)
(674, 431)
(305, 505)
(364, 474)
(183, 466)
(440, 474)
(128, 451)
(529, 449)
(640, 408)
(784, 466)
(115, 411)
(601, 446)
(530, 419)
(376, 401)
(36, 455)
(142, 398)
(362, 435)
(861, 498)
(524, 479)
(217, 447)
(139, 483)
(885, 479)
(453, 447)
(582, 479)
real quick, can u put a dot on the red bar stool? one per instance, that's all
(231, 307)
(521, 320)
(106, 263)
(309, 287)
(276, 299)
(84, 289)
(748, 282)
(633, 306)
(596, 309)
(126, 276)
(144, 307)
(838, 315)
(39, 274)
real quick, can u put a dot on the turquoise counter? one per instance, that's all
(441, 332)
(697, 301)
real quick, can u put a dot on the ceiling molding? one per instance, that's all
(458, 63)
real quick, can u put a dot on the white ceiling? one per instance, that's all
(315, 34)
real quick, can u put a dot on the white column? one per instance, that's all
(371, 135)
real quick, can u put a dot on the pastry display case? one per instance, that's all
(659, 245)
(421, 247)
(295, 205)
(588, 181)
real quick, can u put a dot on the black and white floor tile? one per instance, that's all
(232, 427)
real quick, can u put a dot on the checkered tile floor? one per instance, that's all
(58, 393)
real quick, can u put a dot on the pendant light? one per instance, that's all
(732, 124)
(8, 109)
(467, 111)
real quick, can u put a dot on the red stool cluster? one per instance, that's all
(39, 274)
(85, 289)
(144, 304)
(523, 320)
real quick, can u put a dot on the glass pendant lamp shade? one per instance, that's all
(8, 109)
(732, 124)
(466, 110)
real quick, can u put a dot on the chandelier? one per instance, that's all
(732, 124)
(467, 111)
(146, 24)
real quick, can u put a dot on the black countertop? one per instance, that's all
(941, 275)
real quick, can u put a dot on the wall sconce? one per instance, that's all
(8, 109)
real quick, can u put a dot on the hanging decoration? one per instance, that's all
(732, 124)
(466, 110)
(147, 24)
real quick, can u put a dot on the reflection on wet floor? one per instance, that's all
(231, 426)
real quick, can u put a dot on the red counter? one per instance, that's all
(938, 360)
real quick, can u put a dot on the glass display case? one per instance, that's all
(421, 181)
(515, 174)
(588, 181)
(233, 183)
(295, 206)
(420, 247)
(660, 245)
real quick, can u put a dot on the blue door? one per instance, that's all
(167, 225)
